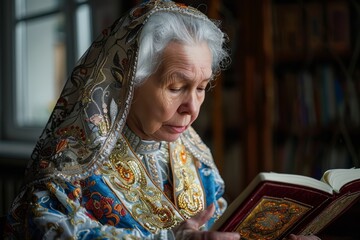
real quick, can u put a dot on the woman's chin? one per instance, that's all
(172, 137)
(168, 137)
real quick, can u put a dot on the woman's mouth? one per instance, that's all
(177, 129)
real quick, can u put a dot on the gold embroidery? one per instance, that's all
(127, 177)
(164, 213)
(190, 196)
(190, 200)
(270, 218)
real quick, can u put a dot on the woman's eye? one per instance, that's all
(202, 88)
(173, 89)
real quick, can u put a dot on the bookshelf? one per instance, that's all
(317, 111)
(298, 64)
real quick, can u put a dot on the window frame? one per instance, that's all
(17, 140)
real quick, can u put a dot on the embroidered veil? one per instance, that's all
(92, 109)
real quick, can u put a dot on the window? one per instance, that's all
(40, 43)
(44, 40)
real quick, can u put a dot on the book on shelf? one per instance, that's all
(288, 25)
(338, 26)
(275, 205)
(313, 99)
(315, 30)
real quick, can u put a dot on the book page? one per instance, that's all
(296, 180)
(337, 178)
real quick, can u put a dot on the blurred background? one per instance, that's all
(288, 103)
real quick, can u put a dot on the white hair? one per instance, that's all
(163, 27)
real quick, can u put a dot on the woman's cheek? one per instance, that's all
(168, 106)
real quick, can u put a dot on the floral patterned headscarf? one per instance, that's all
(92, 109)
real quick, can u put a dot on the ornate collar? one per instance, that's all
(140, 146)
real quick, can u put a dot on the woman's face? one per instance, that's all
(168, 102)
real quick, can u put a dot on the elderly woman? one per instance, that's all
(118, 157)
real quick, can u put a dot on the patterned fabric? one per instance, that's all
(91, 112)
(90, 177)
(99, 206)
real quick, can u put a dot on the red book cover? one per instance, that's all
(275, 205)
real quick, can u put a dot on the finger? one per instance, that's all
(291, 237)
(204, 216)
(220, 235)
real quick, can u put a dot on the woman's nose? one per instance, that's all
(190, 105)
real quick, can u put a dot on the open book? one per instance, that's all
(274, 204)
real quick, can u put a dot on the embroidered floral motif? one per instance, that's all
(74, 131)
(104, 208)
(75, 194)
(61, 145)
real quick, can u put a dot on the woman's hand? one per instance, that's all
(189, 229)
(301, 237)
